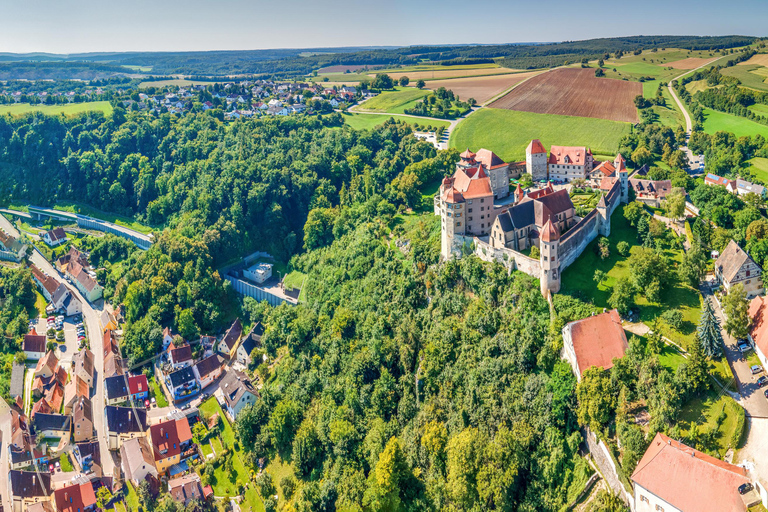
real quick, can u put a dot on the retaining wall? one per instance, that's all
(511, 259)
(604, 462)
(257, 292)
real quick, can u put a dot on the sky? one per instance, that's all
(73, 26)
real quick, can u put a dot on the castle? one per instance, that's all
(475, 207)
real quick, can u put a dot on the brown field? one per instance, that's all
(761, 59)
(575, 92)
(481, 88)
(341, 68)
(689, 63)
(447, 73)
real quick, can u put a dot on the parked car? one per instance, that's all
(744, 345)
(766, 393)
(762, 381)
(756, 368)
(745, 488)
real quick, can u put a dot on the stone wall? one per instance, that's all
(605, 464)
(511, 259)
(613, 198)
(577, 238)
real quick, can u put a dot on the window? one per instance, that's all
(458, 215)
(747, 281)
(469, 201)
(482, 225)
(458, 224)
(659, 508)
(748, 272)
(482, 200)
(469, 211)
(470, 219)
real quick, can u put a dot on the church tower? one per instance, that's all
(549, 259)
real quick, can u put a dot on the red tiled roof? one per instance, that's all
(549, 232)
(467, 154)
(75, 498)
(180, 354)
(606, 184)
(688, 479)
(568, 155)
(137, 384)
(535, 147)
(597, 340)
(489, 159)
(758, 312)
(168, 436)
(607, 168)
(713, 179)
(34, 343)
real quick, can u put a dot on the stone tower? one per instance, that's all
(603, 217)
(621, 169)
(536, 160)
(549, 259)
(451, 217)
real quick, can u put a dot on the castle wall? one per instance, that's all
(573, 243)
(511, 259)
(613, 198)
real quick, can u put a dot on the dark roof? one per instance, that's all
(115, 387)
(233, 334)
(123, 420)
(181, 376)
(522, 214)
(505, 221)
(17, 380)
(20, 456)
(34, 343)
(59, 293)
(234, 385)
(209, 365)
(56, 234)
(90, 448)
(557, 202)
(181, 354)
(52, 422)
(27, 484)
(253, 339)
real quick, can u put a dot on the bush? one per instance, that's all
(673, 317)
(622, 248)
(265, 484)
(288, 485)
(535, 254)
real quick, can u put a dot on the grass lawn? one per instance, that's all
(367, 121)
(54, 110)
(508, 132)
(40, 303)
(578, 280)
(252, 500)
(759, 167)
(120, 220)
(295, 279)
(394, 102)
(668, 115)
(66, 465)
(759, 108)
(279, 469)
(131, 498)
(669, 357)
(715, 121)
(157, 392)
(704, 410)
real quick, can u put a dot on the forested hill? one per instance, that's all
(299, 62)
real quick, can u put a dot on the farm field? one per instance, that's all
(449, 72)
(367, 121)
(574, 92)
(759, 108)
(341, 68)
(715, 121)
(508, 132)
(393, 102)
(179, 82)
(761, 59)
(54, 110)
(483, 88)
(691, 62)
(752, 77)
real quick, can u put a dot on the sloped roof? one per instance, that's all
(688, 479)
(83, 410)
(17, 380)
(549, 232)
(55, 396)
(75, 498)
(136, 453)
(556, 202)
(169, 435)
(568, 155)
(209, 365)
(113, 365)
(657, 188)
(83, 360)
(180, 354)
(115, 387)
(27, 484)
(522, 214)
(74, 389)
(535, 147)
(52, 422)
(233, 334)
(41, 406)
(234, 385)
(34, 343)
(597, 340)
(253, 339)
(138, 384)
(185, 488)
(56, 234)
(49, 361)
(489, 159)
(606, 168)
(731, 260)
(123, 420)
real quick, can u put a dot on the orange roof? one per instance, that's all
(168, 436)
(606, 184)
(758, 312)
(467, 184)
(688, 479)
(607, 168)
(568, 155)
(535, 147)
(597, 340)
(619, 163)
(489, 159)
(75, 497)
(467, 154)
(549, 232)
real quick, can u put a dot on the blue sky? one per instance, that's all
(66, 26)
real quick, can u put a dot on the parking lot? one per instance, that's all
(64, 351)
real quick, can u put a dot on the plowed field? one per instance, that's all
(574, 92)
(482, 88)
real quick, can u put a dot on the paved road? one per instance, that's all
(5, 438)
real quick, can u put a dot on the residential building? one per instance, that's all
(735, 266)
(84, 282)
(208, 370)
(82, 363)
(110, 343)
(75, 389)
(594, 341)
(78, 497)
(72, 256)
(108, 321)
(186, 488)
(138, 386)
(673, 477)
(744, 187)
(718, 181)
(249, 344)
(123, 424)
(34, 346)
(758, 330)
(651, 192)
(235, 392)
(182, 383)
(45, 283)
(82, 414)
(28, 488)
(17, 380)
(138, 460)
(170, 439)
(52, 425)
(54, 237)
(47, 366)
(65, 302)
(179, 356)
(231, 338)
(113, 365)
(88, 457)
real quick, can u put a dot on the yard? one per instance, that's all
(157, 392)
(54, 110)
(716, 413)
(578, 281)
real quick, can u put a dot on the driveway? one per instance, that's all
(754, 455)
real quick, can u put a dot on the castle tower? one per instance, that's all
(536, 160)
(621, 170)
(519, 193)
(549, 259)
(603, 217)
(451, 217)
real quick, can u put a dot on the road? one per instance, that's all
(92, 321)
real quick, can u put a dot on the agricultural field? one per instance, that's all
(482, 89)
(393, 102)
(574, 92)
(367, 121)
(55, 110)
(341, 68)
(753, 77)
(508, 132)
(691, 62)
(444, 72)
(715, 121)
(761, 59)
(181, 82)
(760, 109)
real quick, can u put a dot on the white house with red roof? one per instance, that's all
(673, 477)
(594, 341)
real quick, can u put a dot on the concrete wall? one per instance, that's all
(258, 293)
(141, 240)
(511, 259)
(577, 238)
(10, 256)
(604, 462)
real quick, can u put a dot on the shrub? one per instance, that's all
(673, 317)
(265, 484)
(622, 248)
(288, 485)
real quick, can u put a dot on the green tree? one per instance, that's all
(634, 211)
(596, 398)
(708, 332)
(420, 84)
(673, 318)
(404, 81)
(675, 204)
(283, 422)
(383, 82)
(606, 501)
(642, 156)
(103, 497)
(318, 230)
(463, 467)
(736, 312)
(622, 297)
(622, 248)
(697, 369)
(599, 72)
(599, 276)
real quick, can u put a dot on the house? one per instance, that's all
(86, 284)
(651, 192)
(65, 302)
(138, 460)
(182, 383)
(82, 414)
(167, 338)
(735, 266)
(41, 406)
(717, 181)
(110, 343)
(78, 497)
(567, 163)
(88, 457)
(82, 363)
(179, 356)
(72, 256)
(45, 283)
(674, 477)
(17, 380)
(594, 341)
(54, 237)
(123, 424)
(52, 425)
(34, 346)
(744, 187)
(108, 321)
(47, 366)
(54, 395)
(113, 365)
(249, 344)
(170, 439)
(229, 342)
(115, 390)
(258, 272)
(492, 167)
(186, 488)
(28, 488)
(138, 386)
(208, 370)
(235, 392)
(75, 389)
(758, 331)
